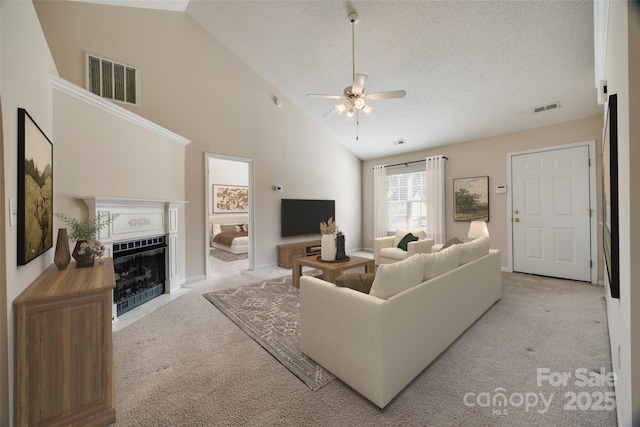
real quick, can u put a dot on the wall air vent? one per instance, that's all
(112, 80)
(552, 106)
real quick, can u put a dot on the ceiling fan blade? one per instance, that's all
(318, 95)
(386, 95)
(358, 83)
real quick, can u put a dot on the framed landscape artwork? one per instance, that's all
(610, 237)
(35, 189)
(471, 199)
(230, 199)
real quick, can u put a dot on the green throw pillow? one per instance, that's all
(405, 241)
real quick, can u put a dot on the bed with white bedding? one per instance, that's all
(229, 233)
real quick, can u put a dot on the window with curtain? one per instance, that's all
(406, 198)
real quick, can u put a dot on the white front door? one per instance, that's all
(551, 213)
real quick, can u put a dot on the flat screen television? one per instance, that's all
(300, 217)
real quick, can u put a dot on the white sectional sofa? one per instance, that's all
(378, 344)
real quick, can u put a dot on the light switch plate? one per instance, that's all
(13, 212)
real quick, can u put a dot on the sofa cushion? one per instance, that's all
(394, 278)
(357, 281)
(474, 249)
(400, 233)
(440, 262)
(393, 253)
(405, 241)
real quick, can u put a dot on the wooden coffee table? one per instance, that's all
(330, 269)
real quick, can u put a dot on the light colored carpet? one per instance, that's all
(187, 364)
(269, 313)
(226, 256)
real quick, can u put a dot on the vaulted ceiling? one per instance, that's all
(471, 69)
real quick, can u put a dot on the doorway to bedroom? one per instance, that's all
(229, 217)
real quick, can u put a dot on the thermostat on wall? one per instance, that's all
(501, 189)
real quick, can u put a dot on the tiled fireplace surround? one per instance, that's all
(138, 219)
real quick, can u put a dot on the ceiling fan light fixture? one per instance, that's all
(340, 108)
(359, 103)
(350, 114)
(367, 110)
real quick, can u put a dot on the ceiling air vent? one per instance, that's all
(112, 80)
(552, 106)
(398, 142)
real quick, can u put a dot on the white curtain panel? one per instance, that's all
(435, 199)
(379, 201)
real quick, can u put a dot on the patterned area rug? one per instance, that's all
(226, 256)
(268, 313)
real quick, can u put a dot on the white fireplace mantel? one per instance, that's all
(139, 218)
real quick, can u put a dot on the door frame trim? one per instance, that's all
(593, 201)
(207, 197)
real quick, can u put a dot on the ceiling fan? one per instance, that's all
(354, 96)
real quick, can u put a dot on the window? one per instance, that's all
(406, 198)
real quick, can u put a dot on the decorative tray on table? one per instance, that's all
(345, 259)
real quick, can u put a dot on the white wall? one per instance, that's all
(25, 66)
(622, 70)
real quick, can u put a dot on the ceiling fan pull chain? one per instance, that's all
(357, 124)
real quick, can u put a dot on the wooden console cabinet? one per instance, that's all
(64, 350)
(288, 251)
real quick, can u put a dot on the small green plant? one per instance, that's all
(86, 229)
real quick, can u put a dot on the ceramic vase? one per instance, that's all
(328, 247)
(84, 259)
(62, 256)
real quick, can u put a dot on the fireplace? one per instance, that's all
(140, 267)
(140, 226)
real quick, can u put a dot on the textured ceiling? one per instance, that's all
(471, 69)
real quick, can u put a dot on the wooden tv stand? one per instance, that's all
(288, 251)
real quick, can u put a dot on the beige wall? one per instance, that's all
(480, 158)
(622, 70)
(99, 154)
(26, 64)
(194, 86)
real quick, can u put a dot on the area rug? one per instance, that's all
(268, 313)
(226, 256)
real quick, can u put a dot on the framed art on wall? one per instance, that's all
(35, 189)
(471, 199)
(230, 198)
(610, 231)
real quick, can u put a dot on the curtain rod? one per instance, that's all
(408, 163)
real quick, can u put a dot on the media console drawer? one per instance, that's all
(288, 251)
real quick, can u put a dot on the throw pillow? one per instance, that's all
(474, 249)
(400, 233)
(357, 281)
(451, 242)
(391, 279)
(241, 227)
(215, 229)
(228, 227)
(405, 241)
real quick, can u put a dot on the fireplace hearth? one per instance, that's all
(140, 267)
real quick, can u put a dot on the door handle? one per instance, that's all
(517, 220)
